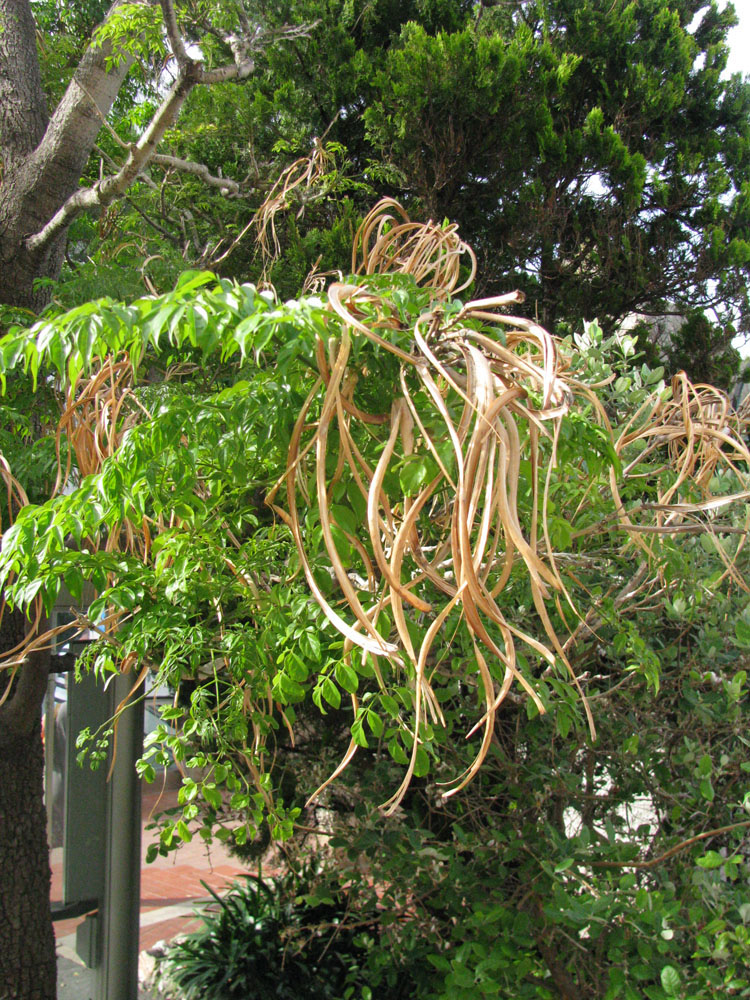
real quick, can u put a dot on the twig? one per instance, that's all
(155, 225)
(672, 850)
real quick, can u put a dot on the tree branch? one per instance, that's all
(107, 190)
(672, 850)
(173, 34)
(151, 222)
(243, 18)
(65, 148)
(244, 46)
(226, 185)
(241, 70)
(564, 984)
(140, 154)
(22, 710)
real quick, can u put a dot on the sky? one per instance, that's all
(739, 39)
(739, 62)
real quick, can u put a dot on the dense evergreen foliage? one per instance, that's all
(594, 154)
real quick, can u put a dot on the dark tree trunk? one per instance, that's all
(23, 121)
(19, 268)
(27, 941)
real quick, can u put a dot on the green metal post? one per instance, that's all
(85, 795)
(117, 975)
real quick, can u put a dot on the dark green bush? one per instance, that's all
(264, 939)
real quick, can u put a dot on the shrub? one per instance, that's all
(263, 939)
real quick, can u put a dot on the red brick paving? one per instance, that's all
(166, 930)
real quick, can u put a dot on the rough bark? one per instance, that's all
(23, 109)
(27, 941)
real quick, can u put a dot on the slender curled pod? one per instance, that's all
(443, 549)
(477, 394)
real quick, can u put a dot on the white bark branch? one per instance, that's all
(222, 74)
(226, 185)
(81, 201)
(77, 119)
(173, 33)
(110, 188)
(140, 154)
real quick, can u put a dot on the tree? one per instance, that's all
(591, 153)
(584, 159)
(27, 959)
(44, 156)
(629, 508)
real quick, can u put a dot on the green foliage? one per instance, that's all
(265, 938)
(132, 29)
(573, 193)
(215, 605)
(575, 869)
(28, 416)
(607, 870)
(594, 157)
(63, 30)
(704, 351)
(590, 152)
(27, 420)
(227, 319)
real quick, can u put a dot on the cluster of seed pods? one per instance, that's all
(476, 390)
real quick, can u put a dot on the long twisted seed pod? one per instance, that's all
(477, 392)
